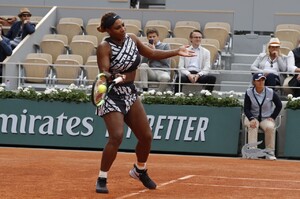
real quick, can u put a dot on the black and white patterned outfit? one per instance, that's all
(125, 58)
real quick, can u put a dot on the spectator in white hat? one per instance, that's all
(271, 63)
(20, 29)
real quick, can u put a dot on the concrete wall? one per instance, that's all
(251, 15)
(71, 3)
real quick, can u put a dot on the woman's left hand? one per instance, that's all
(183, 51)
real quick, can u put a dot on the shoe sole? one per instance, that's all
(101, 191)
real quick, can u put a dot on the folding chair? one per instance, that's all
(245, 129)
(68, 69)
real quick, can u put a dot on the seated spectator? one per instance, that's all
(294, 67)
(146, 72)
(261, 107)
(7, 21)
(195, 69)
(271, 63)
(20, 29)
(5, 50)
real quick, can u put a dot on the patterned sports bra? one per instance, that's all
(125, 58)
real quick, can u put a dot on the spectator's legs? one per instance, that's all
(207, 79)
(160, 76)
(272, 80)
(268, 127)
(252, 132)
(144, 75)
(184, 79)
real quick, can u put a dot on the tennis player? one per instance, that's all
(119, 54)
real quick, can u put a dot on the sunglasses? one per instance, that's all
(26, 15)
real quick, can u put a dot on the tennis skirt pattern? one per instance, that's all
(119, 99)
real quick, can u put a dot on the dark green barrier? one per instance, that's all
(292, 146)
(175, 128)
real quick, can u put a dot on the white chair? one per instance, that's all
(194, 24)
(245, 129)
(37, 68)
(68, 69)
(70, 26)
(91, 29)
(84, 45)
(91, 70)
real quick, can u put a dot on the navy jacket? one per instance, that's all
(13, 32)
(5, 49)
(253, 109)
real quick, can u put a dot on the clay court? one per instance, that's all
(41, 173)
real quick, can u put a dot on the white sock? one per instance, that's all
(102, 174)
(140, 166)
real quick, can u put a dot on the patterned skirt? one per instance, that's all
(120, 98)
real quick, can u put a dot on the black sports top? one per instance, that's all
(125, 58)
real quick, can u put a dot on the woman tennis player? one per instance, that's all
(119, 55)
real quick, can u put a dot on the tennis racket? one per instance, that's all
(98, 98)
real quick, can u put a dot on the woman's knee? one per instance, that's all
(115, 139)
(146, 137)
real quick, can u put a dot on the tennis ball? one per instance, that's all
(102, 88)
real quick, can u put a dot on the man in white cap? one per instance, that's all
(20, 29)
(261, 107)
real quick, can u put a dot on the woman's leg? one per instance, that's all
(252, 132)
(137, 120)
(114, 122)
(268, 127)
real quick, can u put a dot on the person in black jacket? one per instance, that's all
(20, 29)
(295, 68)
(261, 107)
(5, 50)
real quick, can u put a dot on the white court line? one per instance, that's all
(161, 185)
(254, 179)
(245, 187)
(218, 185)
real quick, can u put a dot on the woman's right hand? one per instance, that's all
(253, 123)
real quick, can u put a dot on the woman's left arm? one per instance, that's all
(157, 54)
(282, 63)
(278, 106)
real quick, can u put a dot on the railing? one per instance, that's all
(51, 80)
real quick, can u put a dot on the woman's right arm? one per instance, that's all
(247, 107)
(255, 65)
(103, 57)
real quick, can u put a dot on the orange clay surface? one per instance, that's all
(42, 173)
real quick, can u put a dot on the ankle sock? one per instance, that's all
(141, 165)
(103, 174)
